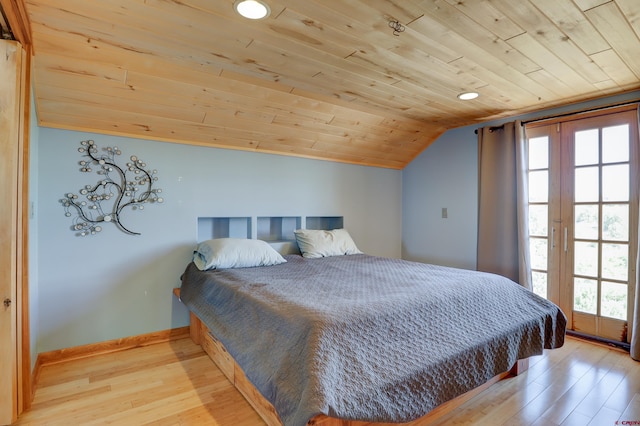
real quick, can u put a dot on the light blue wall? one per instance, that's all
(445, 175)
(114, 285)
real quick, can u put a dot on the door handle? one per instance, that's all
(7, 302)
(565, 239)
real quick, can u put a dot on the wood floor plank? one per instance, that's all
(598, 396)
(605, 416)
(576, 419)
(175, 383)
(632, 412)
(167, 383)
(597, 375)
(624, 393)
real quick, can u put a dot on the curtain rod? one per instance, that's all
(565, 114)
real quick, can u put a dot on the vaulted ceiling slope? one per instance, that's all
(323, 79)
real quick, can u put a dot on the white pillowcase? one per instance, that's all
(319, 243)
(224, 253)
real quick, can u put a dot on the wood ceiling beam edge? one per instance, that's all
(18, 20)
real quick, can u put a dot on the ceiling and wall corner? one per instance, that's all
(323, 79)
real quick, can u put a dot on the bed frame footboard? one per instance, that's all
(202, 336)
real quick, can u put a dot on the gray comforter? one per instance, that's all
(369, 338)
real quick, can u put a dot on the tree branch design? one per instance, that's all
(119, 188)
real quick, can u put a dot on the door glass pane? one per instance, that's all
(539, 280)
(586, 222)
(614, 300)
(615, 263)
(586, 147)
(585, 295)
(587, 185)
(615, 183)
(586, 258)
(615, 144)
(615, 222)
(538, 249)
(539, 153)
(538, 220)
(539, 186)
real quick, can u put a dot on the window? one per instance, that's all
(583, 210)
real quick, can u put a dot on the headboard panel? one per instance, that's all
(324, 222)
(223, 227)
(276, 230)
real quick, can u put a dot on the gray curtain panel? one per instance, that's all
(635, 320)
(503, 225)
(635, 325)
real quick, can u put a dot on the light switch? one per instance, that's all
(444, 213)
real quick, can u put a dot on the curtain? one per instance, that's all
(503, 229)
(635, 320)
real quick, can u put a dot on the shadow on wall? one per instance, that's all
(140, 301)
(443, 259)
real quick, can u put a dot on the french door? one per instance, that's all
(583, 217)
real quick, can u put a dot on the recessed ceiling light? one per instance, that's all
(252, 9)
(467, 96)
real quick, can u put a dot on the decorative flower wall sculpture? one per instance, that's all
(117, 189)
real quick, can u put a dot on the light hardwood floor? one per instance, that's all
(175, 383)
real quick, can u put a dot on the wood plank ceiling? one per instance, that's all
(323, 79)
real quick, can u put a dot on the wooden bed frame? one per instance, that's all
(201, 335)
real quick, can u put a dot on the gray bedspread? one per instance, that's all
(368, 338)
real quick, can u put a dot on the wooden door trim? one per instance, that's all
(10, 192)
(25, 377)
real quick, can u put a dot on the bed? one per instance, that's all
(360, 338)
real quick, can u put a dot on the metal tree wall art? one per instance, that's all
(117, 189)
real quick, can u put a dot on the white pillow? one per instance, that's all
(318, 243)
(224, 253)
